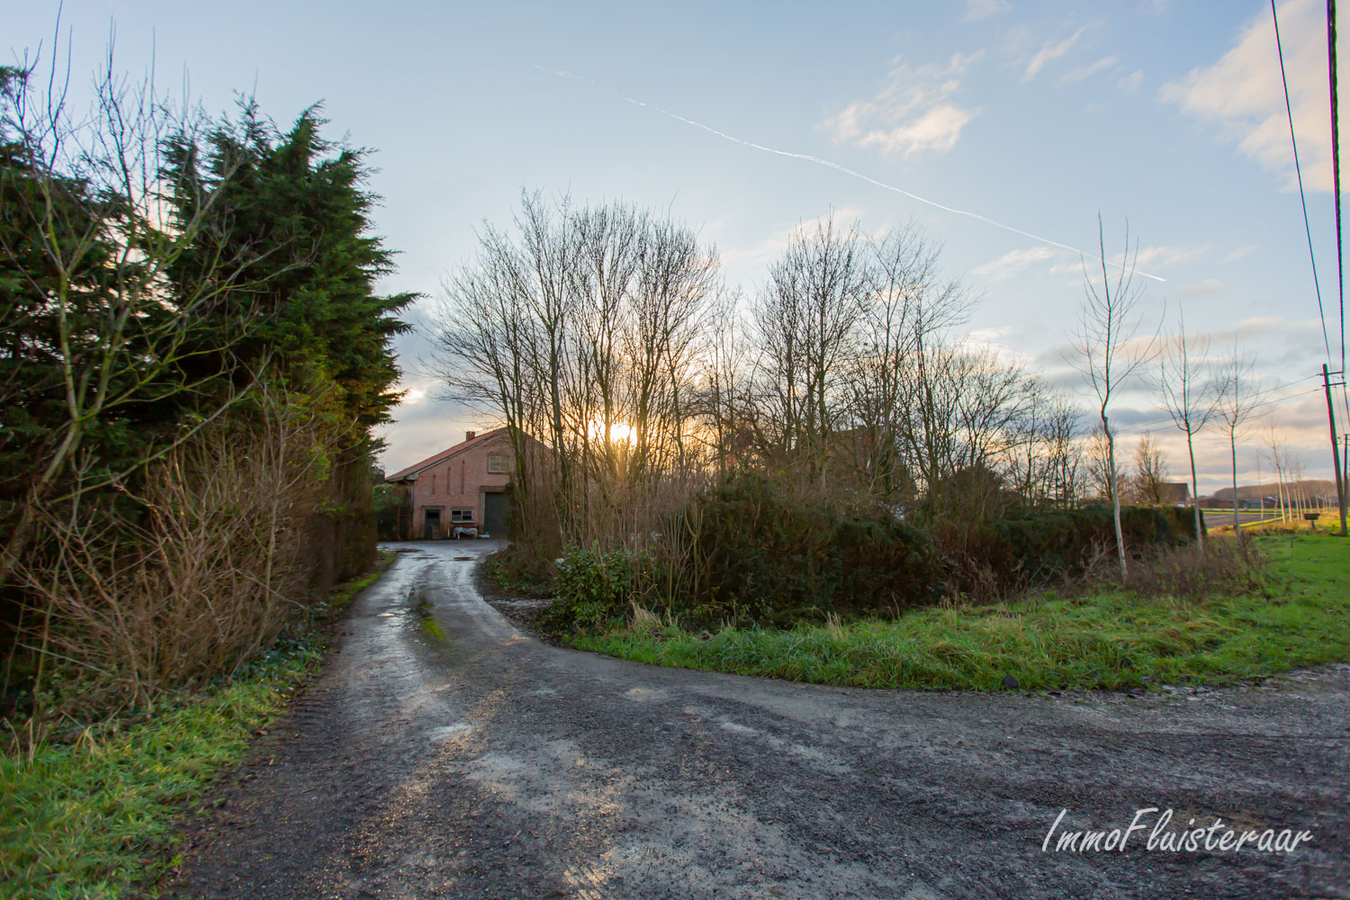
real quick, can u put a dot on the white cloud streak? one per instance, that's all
(1012, 262)
(1083, 73)
(1049, 52)
(852, 173)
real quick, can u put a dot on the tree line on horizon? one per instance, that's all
(631, 376)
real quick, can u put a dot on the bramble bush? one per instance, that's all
(765, 558)
(756, 556)
(1001, 558)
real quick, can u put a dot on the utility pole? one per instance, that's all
(1335, 446)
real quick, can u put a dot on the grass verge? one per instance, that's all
(94, 817)
(1107, 640)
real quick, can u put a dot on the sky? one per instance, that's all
(747, 120)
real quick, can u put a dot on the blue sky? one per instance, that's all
(1037, 115)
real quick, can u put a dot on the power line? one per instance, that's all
(1298, 170)
(1336, 164)
(1141, 428)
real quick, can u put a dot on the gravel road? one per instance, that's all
(445, 753)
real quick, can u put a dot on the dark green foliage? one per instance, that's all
(1003, 557)
(388, 499)
(292, 211)
(596, 588)
(120, 338)
(518, 571)
(764, 558)
(57, 236)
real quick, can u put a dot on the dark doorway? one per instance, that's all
(431, 523)
(494, 515)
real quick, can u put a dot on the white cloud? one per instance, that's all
(1012, 262)
(1083, 73)
(1209, 287)
(1240, 252)
(1167, 254)
(912, 112)
(983, 9)
(994, 342)
(1130, 83)
(1242, 94)
(1049, 52)
(772, 246)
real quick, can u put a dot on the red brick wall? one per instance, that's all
(460, 481)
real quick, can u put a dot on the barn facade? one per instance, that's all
(459, 491)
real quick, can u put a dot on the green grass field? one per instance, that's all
(1111, 640)
(94, 817)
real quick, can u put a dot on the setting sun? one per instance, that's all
(619, 432)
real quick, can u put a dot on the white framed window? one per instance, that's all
(498, 464)
(461, 514)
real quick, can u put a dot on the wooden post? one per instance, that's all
(1335, 446)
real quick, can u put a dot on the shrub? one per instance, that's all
(763, 558)
(596, 588)
(1004, 557)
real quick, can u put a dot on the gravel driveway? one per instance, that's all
(479, 762)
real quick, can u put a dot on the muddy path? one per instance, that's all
(443, 753)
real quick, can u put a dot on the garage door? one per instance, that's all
(494, 515)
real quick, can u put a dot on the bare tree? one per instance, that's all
(909, 309)
(1191, 394)
(806, 318)
(1109, 351)
(581, 329)
(1279, 459)
(1045, 457)
(1239, 400)
(723, 392)
(1150, 471)
(1100, 476)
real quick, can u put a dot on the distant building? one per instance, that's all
(463, 487)
(1174, 493)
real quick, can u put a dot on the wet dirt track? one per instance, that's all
(478, 762)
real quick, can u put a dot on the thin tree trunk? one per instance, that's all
(1115, 495)
(1195, 496)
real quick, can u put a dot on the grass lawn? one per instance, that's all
(1111, 640)
(94, 818)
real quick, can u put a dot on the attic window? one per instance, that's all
(461, 514)
(498, 464)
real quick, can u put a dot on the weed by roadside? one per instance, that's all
(516, 577)
(88, 811)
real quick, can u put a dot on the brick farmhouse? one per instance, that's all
(463, 487)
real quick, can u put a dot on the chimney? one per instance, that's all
(470, 435)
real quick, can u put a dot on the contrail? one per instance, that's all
(853, 173)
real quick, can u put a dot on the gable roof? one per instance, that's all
(411, 471)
